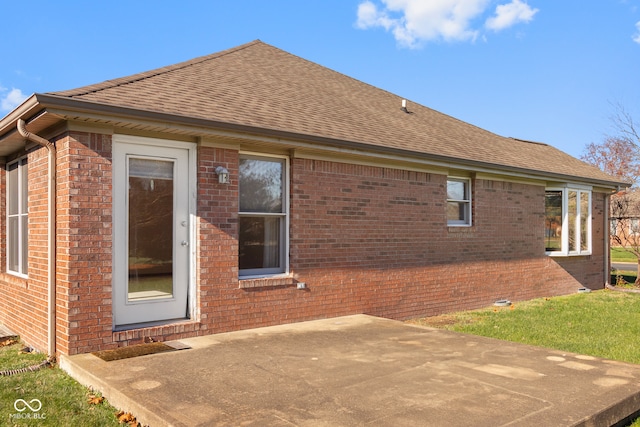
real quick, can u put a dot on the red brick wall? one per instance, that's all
(373, 240)
(376, 240)
(216, 233)
(23, 302)
(364, 239)
(84, 243)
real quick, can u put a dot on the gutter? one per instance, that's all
(51, 234)
(61, 105)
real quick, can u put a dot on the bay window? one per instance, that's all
(263, 215)
(568, 221)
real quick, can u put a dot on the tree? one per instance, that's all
(625, 125)
(618, 155)
(625, 223)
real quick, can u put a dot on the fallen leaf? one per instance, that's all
(126, 417)
(8, 342)
(95, 400)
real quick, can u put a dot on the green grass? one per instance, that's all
(622, 255)
(64, 402)
(569, 323)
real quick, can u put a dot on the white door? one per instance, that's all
(151, 192)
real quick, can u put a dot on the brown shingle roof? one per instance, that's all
(264, 87)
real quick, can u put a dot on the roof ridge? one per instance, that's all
(121, 81)
(527, 141)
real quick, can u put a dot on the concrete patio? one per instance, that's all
(362, 370)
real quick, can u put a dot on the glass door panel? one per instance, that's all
(151, 233)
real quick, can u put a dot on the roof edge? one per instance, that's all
(22, 111)
(39, 102)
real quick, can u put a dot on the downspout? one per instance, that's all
(607, 242)
(51, 234)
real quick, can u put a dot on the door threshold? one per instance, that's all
(143, 325)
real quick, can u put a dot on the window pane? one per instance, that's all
(553, 221)
(261, 185)
(259, 242)
(457, 212)
(13, 254)
(456, 190)
(149, 168)
(151, 199)
(12, 191)
(17, 219)
(24, 190)
(572, 208)
(24, 244)
(584, 221)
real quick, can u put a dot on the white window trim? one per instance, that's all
(469, 202)
(22, 274)
(565, 252)
(255, 273)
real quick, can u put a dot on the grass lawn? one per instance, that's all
(54, 398)
(603, 324)
(622, 255)
(569, 323)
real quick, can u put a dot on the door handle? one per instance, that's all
(184, 243)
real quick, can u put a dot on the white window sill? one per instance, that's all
(566, 255)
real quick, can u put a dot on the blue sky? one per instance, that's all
(542, 70)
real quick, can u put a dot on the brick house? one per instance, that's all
(251, 187)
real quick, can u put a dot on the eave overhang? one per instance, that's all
(45, 111)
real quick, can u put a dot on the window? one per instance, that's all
(568, 221)
(17, 217)
(263, 229)
(458, 202)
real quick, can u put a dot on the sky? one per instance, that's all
(550, 71)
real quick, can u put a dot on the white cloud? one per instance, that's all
(10, 100)
(413, 22)
(369, 16)
(510, 14)
(636, 37)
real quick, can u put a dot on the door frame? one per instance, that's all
(147, 142)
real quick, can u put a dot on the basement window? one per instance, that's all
(17, 217)
(567, 221)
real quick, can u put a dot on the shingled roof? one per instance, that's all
(264, 88)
